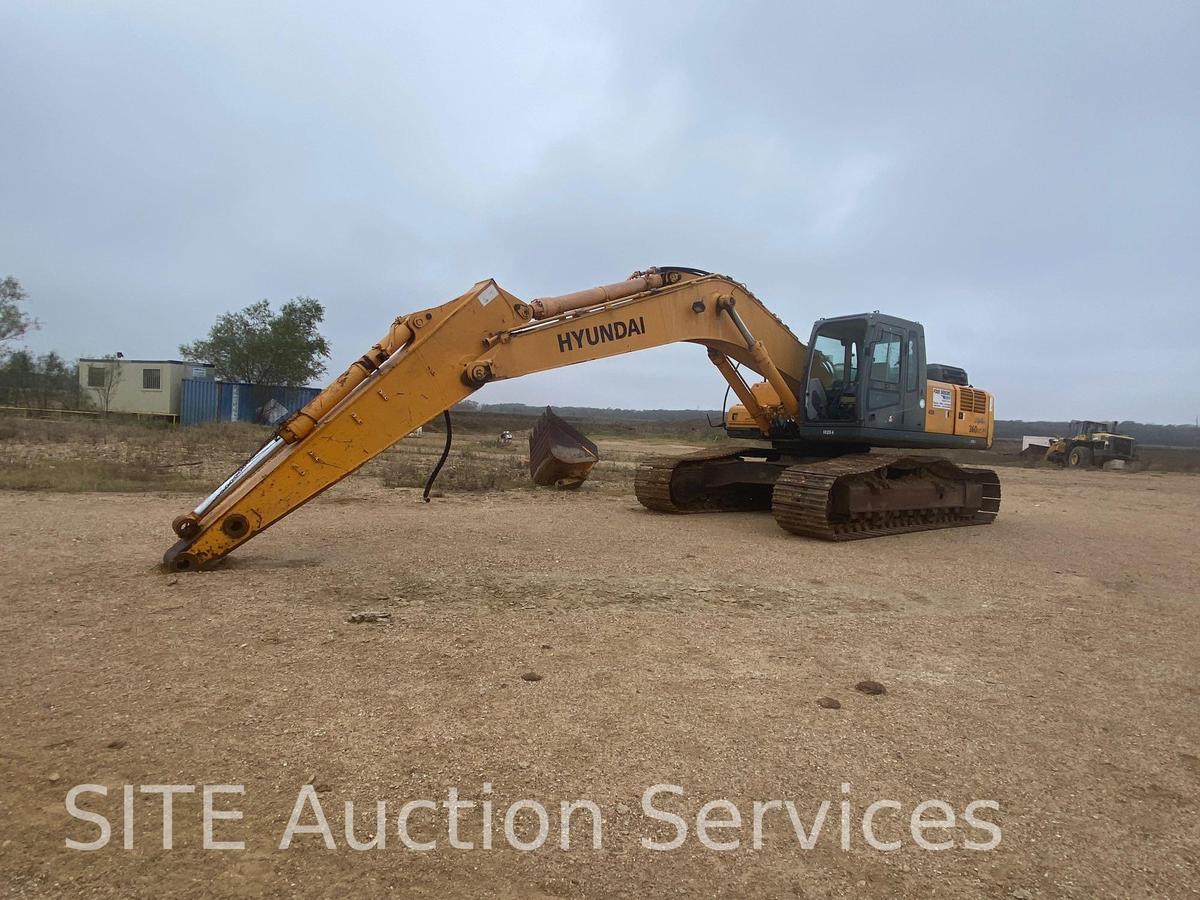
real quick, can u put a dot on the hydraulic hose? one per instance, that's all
(698, 272)
(725, 400)
(441, 462)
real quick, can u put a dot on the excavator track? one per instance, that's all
(866, 495)
(676, 484)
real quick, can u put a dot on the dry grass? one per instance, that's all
(231, 436)
(475, 466)
(74, 476)
(465, 470)
(76, 456)
(99, 455)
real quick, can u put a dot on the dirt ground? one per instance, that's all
(1047, 663)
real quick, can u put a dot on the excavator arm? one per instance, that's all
(432, 359)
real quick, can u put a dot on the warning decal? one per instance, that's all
(488, 294)
(943, 399)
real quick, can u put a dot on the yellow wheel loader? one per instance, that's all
(1091, 444)
(862, 382)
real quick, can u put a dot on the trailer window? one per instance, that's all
(151, 379)
(97, 376)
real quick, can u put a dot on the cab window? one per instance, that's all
(885, 371)
(837, 354)
(832, 384)
(885, 361)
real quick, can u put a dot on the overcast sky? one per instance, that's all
(1023, 178)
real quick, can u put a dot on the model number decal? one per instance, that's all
(943, 399)
(600, 334)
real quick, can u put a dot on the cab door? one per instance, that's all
(895, 378)
(885, 386)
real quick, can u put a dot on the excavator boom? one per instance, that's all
(432, 359)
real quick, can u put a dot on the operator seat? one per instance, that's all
(816, 401)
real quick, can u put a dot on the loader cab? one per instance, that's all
(865, 372)
(1090, 429)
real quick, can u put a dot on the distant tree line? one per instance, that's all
(41, 382)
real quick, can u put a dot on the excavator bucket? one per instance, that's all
(559, 454)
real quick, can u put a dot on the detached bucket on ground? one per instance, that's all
(559, 454)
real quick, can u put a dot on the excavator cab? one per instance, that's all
(866, 373)
(865, 383)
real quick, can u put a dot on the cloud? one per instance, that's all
(1022, 178)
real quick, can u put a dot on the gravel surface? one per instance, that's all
(575, 646)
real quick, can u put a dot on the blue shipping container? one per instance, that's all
(225, 401)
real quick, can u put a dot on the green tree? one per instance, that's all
(43, 382)
(16, 377)
(13, 320)
(54, 381)
(258, 346)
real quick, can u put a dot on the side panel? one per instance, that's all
(973, 416)
(962, 411)
(941, 407)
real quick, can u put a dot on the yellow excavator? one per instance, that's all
(862, 382)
